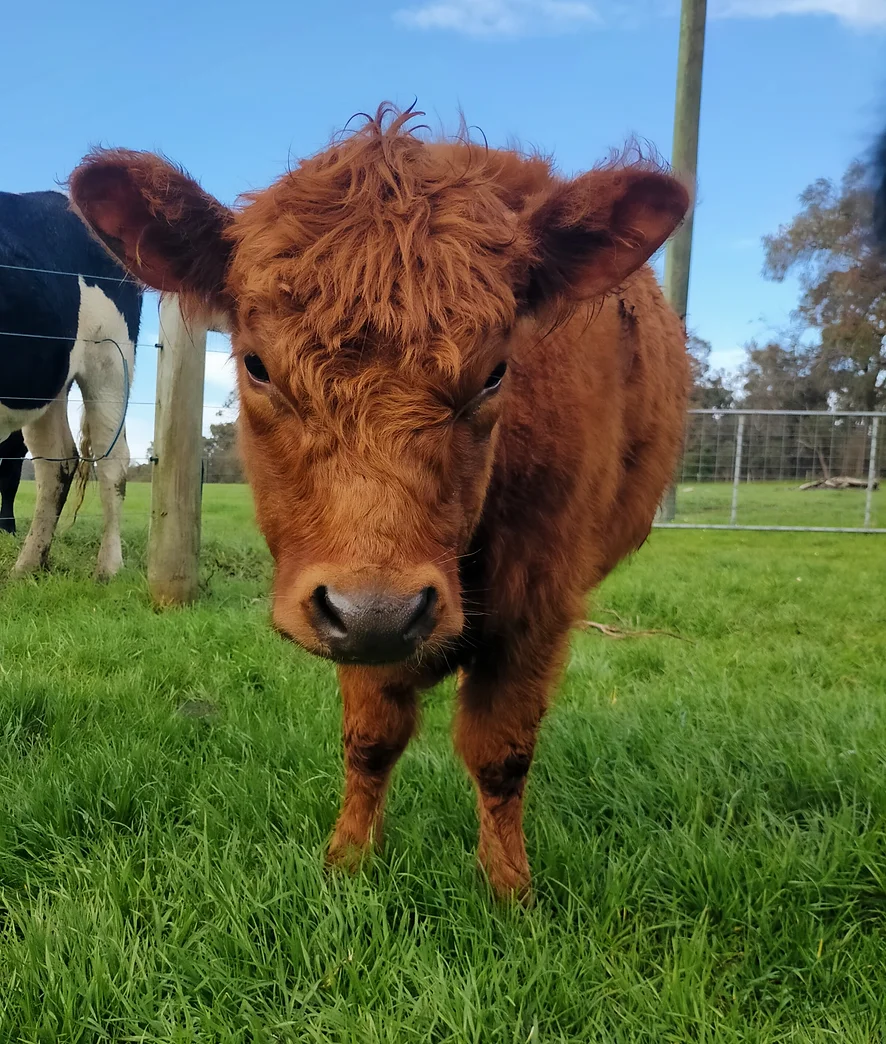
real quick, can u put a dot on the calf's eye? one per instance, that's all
(256, 368)
(493, 381)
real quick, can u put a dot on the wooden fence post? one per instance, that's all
(176, 485)
(687, 113)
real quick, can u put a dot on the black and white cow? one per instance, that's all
(56, 329)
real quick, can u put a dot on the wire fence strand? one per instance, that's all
(97, 340)
(119, 280)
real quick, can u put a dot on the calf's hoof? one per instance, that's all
(511, 890)
(510, 883)
(350, 858)
(347, 856)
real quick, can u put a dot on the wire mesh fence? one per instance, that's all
(780, 469)
(740, 469)
(750, 470)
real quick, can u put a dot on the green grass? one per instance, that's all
(705, 819)
(759, 503)
(777, 504)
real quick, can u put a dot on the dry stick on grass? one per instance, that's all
(838, 482)
(622, 632)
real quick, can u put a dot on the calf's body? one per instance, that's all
(587, 443)
(462, 396)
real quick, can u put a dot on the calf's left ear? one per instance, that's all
(157, 221)
(590, 234)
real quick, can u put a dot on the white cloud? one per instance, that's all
(853, 12)
(525, 17)
(499, 17)
(219, 381)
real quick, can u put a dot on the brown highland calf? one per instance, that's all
(462, 396)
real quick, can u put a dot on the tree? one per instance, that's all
(843, 283)
(144, 470)
(779, 377)
(709, 391)
(790, 377)
(221, 459)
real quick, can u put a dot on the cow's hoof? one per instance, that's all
(22, 569)
(107, 567)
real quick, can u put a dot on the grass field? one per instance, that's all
(705, 818)
(777, 504)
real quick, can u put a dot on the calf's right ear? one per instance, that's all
(157, 221)
(592, 233)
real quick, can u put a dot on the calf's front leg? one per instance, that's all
(501, 706)
(378, 719)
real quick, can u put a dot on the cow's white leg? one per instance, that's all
(111, 470)
(48, 437)
(112, 486)
(103, 381)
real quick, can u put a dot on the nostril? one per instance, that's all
(326, 611)
(421, 621)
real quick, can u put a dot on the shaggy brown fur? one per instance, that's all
(372, 293)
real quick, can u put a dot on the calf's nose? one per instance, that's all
(373, 626)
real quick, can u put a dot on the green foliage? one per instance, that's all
(783, 377)
(705, 820)
(221, 460)
(843, 296)
(709, 388)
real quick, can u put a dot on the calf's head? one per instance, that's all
(373, 294)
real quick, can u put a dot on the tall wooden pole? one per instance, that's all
(684, 160)
(176, 485)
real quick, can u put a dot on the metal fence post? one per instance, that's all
(751, 451)
(667, 509)
(872, 474)
(736, 477)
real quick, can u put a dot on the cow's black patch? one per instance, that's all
(12, 453)
(39, 231)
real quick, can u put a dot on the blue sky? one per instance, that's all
(793, 90)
